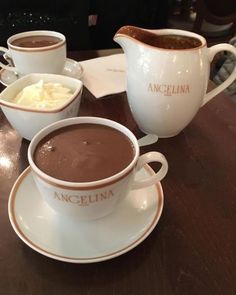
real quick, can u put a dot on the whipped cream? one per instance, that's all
(43, 95)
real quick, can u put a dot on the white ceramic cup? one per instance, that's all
(167, 87)
(47, 59)
(92, 200)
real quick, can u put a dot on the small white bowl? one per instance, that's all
(28, 121)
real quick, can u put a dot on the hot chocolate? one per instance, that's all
(35, 41)
(83, 152)
(167, 41)
(174, 42)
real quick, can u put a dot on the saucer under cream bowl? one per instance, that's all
(29, 120)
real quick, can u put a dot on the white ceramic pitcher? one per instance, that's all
(166, 87)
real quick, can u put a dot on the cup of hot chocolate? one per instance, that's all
(35, 52)
(84, 166)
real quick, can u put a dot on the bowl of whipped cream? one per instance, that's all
(37, 100)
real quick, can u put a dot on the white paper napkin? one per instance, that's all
(105, 75)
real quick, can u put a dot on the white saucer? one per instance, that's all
(68, 240)
(72, 69)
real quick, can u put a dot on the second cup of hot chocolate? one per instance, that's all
(36, 52)
(84, 166)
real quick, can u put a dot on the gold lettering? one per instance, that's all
(61, 197)
(65, 198)
(157, 88)
(74, 199)
(175, 89)
(150, 87)
(162, 88)
(92, 199)
(97, 198)
(83, 200)
(106, 195)
(182, 88)
(56, 196)
(110, 193)
(168, 89)
(103, 195)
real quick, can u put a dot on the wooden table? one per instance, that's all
(192, 250)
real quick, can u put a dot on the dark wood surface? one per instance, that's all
(192, 250)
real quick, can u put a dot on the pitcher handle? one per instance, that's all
(9, 68)
(212, 51)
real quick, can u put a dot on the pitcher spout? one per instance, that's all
(127, 36)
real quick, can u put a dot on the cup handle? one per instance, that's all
(147, 158)
(212, 51)
(9, 68)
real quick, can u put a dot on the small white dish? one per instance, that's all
(72, 69)
(69, 240)
(28, 120)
